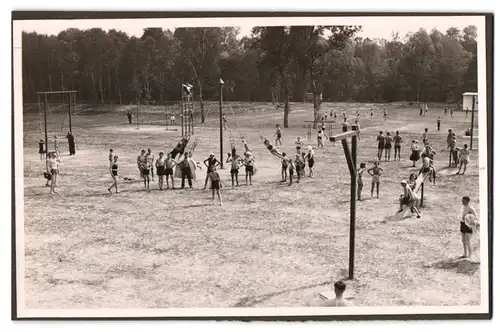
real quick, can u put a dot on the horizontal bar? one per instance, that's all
(342, 136)
(52, 92)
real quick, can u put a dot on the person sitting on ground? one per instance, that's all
(338, 301)
(409, 198)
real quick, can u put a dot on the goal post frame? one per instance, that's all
(351, 156)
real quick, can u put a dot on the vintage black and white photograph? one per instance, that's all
(251, 166)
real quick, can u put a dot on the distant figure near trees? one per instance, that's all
(129, 116)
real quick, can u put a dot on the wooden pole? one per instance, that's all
(45, 106)
(422, 194)
(221, 83)
(352, 231)
(137, 117)
(472, 121)
(69, 110)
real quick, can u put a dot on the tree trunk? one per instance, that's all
(118, 86)
(286, 97)
(202, 107)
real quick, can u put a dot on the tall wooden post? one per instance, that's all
(45, 106)
(352, 232)
(69, 112)
(472, 121)
(422, 194)
(137, 116)
(221, 84)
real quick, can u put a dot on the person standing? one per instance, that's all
(439, 123)
(381, 144)
(169, 169)
(464, 158)
(224, 120)
(375, 173)
(53, 168)
(160, 170)
(388, 147)
(41, 149)
(385, 114)
(129, 116)
(56, 145)
(113, 169)
(445, 110)
(186, 171)
(361, 171)
(415, 152)
(467, 225)
(278, 135)
(424, 135)
(215, 185)
(398, 140)
(71, 143)
(211, 164)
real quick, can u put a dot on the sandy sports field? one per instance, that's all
(270, 245)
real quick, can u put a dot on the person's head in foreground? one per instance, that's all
(397, 132)
(403, 183)
(161, 154)
(381, 132)
(284, 154)
(339, 288)
(376, 163)
(413, 177)
(190, 154)
(115, 158)
(186, 154)
(362, 165)
(465, 146)
(465, 200)
(211, 155)
(110, 150)
(143, 151)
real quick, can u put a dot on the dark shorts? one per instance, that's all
(216, 184)
(234, 171)
(388, 146)
(426, 169)
(465, 229)
(380, 146)
(115, 173)
(290, 170)
(311, 163)
(41, 151)
(249, 169)
(405, 200)
(169, 171)
(160, 170)
(283, 168)
(278, 136)
(54, 171)
(145, 171)
(397, 147)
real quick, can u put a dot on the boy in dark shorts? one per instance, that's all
(291, 168)
(216, 185)
(299, 166)
(169, 169)
(284, 166)
(467, 225)
(235, 165)
(41, 149)
(381, 144)
(398, 140)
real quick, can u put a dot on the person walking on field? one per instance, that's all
(398, 140)
(113, 169)
(278, 135)
(129, 116)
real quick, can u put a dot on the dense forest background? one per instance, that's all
(273, 63)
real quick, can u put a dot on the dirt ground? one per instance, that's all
(270, 245)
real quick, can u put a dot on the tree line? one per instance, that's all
(279, 63)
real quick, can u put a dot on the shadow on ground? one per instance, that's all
(458, 265)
